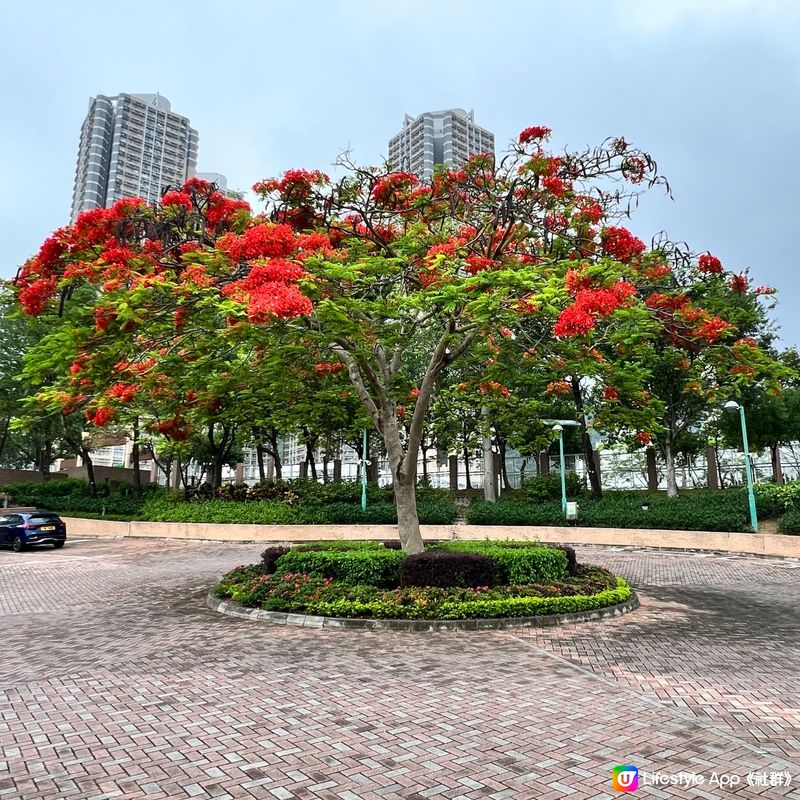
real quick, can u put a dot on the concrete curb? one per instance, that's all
(762, 544)
(418, 625)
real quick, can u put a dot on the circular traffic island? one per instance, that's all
(449, 586)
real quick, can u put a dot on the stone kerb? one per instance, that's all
(500, 623)
(764, 544)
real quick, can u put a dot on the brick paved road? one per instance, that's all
(115, 681)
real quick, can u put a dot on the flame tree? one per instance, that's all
(377, 277)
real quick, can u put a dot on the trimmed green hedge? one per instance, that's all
(377, 566)
(276, 512)
(703, 511)
(518, 563)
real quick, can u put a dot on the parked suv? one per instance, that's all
(22, 527)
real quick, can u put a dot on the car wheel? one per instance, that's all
(58, 545)
(18, 544)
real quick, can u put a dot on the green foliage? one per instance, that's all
(318, 595)
(517, 562)
(515, 512)
(772, 499)
(694, 511)
(790, 521)
(375, 566)
(71, 496)
(541, 488)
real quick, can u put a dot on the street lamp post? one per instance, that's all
(364, 464)
(732, 405)
(559, 429)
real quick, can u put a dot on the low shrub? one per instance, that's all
(517, 562)
(374, 566)
(313, 594)
(773, 500)
(336, 544)
(541, 488)
(447, 569)
(790, 521)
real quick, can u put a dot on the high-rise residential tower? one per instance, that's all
(438, 137)
(132, 145)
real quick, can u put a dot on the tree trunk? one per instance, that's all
(405, 499)
(466, 468)
(4, 437)
(325, 467)
(43, 459)
(137, 473)
(777, 470)
(424, 450)
(489, 493)
(501, 447)
(276, 458)
(669, 461)
(586, 441)
(87, 460)
(522, 471)
(262, 473)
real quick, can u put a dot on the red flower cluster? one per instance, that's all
(494, 387)
(644, 438)
(746, 341)
(621, 244)
(610, 393)
(174, 198)
(562, 388)
(709, 264)
(295, 185)
(574, 321)
(449, 249)
(174, 429)
(764, 290)
(476, 263)
(713, 329)
(102, 416)
(34, 297)
(220, 209)
(738, 283)
(534, 133)
(314, 243)
(260, 241)
(124, 392)
(327, 367)
(393, 190)
(581, 317)
(103, 317)
(556, 185)
(277, 300)
(588, 210)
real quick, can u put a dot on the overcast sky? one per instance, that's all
(709, 87)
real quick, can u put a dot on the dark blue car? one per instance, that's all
(22, 527)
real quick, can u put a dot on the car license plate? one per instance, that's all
(47, 528)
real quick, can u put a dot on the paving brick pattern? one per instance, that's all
(118, 683)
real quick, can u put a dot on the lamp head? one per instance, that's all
(731, 405)
(558, 428)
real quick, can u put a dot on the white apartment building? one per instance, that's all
(131, 145)
(438, 137)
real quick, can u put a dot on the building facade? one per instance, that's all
(438, 137)
(131, 145)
